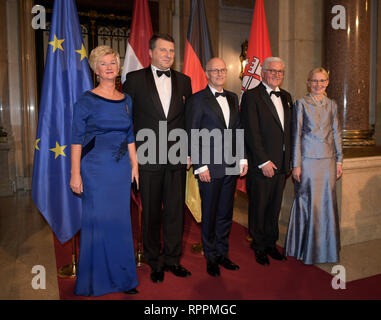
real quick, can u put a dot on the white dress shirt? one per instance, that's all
(277, 101)
(224, 104)
(164, 88)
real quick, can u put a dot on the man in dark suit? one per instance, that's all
(159, 94)
(216, 110)
(265, 115)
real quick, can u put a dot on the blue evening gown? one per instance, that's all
(106, 257)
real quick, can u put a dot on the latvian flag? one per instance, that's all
(137, 56)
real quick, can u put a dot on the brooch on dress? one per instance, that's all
(128, 110)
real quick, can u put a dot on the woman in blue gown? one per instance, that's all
(104, 162)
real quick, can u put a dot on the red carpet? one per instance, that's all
(290, 280)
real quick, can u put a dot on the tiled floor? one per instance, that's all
(26, 241)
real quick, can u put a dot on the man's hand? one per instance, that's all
(189, 163)
(268, 170)
(204, 176)
(243, 170)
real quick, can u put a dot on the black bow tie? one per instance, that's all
(217, 94)
(160, 73)
(277, 93)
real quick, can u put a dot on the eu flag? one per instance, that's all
(66, 77)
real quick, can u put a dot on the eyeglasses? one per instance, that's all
(216, 71)
(274, 72)
(314, 81)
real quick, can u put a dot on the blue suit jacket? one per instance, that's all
(203, 112)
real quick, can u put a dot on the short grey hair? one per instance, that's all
(269, 60)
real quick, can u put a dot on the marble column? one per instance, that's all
(347, 58)
(28, 88)
(5, 126)
(4, 94)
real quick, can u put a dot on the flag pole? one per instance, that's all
(70, 270)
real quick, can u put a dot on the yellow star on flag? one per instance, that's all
(56, 43)
(58, 150)
(36, 144)
(82, 52)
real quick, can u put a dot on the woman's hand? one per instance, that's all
(296, 173)
(134, 164)
(339, 170)
(76, 183)
(135, 175)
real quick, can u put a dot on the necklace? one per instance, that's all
(317, 101)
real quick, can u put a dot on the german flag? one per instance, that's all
(198, 51)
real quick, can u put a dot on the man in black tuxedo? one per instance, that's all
(216, 110)
(158, 97)
(265, 115)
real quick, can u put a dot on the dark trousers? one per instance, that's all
(265, 200)
(163, 197)
(217, 199)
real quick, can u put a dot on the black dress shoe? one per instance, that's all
(212, 268)
(157, 276)
(227, 264)
(261, 257)
(132, 291)
(178, 270)
(275, 254)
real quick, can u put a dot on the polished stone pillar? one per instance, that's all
(5, 126)
(347, 58)
(4, 94)
(28, 88)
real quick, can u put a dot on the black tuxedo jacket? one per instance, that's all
(264, 137)
(204, 112)
(148, 111)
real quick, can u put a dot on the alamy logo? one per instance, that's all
(339, 21)
(39, 20)
(39, 280)
(339, 280)
(200, 146)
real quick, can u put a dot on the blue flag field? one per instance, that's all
(66, 77)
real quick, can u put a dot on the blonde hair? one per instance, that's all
(318, 70)
(98, 53)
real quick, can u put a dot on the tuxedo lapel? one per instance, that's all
(266, 98)
(211, 101)
(172, 104)
(233, 109)
(154, 93)
(286, 108)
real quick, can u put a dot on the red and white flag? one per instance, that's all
(258, 50)
(137, 56)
